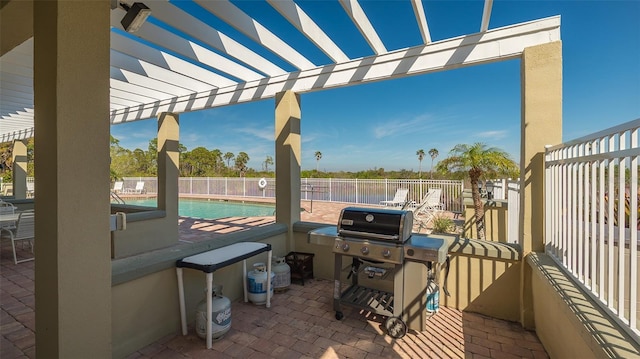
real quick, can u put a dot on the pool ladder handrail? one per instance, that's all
(117, 198)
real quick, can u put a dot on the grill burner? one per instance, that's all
(380, 236)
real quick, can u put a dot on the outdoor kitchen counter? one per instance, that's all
(325, 236)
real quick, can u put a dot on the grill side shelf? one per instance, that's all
(373, 300)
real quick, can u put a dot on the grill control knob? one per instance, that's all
(410, 252)
(364, 250)
(386, 253)
(345, 247)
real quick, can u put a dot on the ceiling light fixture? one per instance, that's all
(136, 15)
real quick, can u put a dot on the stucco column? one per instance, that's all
(541, 72)
(541, 88)
(287, 128)
(19, 157)
(71, 98)
(168, 165)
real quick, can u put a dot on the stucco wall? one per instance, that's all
(484, 277)
(484, 285)
(146, 309)
(568, 322)
(495, 220)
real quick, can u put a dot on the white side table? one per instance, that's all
(208, 262)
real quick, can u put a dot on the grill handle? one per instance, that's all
(360, 234)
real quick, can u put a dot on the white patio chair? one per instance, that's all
(31, 190)
(24, 231)
(426, 211)
(138, 190)
(398, 200)
(118, 187)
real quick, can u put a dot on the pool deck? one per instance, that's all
(299, 324)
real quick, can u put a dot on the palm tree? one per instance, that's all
(478, 161)
(420, 154)
(318, 157)
(228, 156)
(241, 162)
(268, 161)
(433, 153)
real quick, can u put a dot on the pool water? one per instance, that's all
(212, 209)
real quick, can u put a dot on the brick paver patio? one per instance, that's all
(300, 323)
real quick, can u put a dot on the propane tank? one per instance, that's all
(282, 271)
(220, 314)
(257, 284)
(433, 294)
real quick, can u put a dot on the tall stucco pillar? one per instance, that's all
(541, 72)
(71, 97)
(288, 159)
(541, 88)
(19, 157)
(168, 166)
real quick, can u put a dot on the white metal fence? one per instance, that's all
(356, 191)
(591, 216)
(509, 190)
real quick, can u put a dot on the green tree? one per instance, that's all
(267, 162)
(199, 161)
(478, 161)
(433, 153)
(318, 157)
(420, 154)
(241, 162)
(218, 162)
(228, 157)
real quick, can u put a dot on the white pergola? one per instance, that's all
(177, 62)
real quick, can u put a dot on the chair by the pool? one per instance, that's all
(138, 190)
(426, 211)
(24, 231)
(118, 187)
(31, 190)
(399, 199)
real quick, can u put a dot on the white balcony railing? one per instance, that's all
(591, 216)
(356, 191)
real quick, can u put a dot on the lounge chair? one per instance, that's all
(24, 231)
(118, 187)
(398, 200)
(31, 189)
(138, 190)
(426, 211)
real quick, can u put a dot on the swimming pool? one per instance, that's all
(212, 209)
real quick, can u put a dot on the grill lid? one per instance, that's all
(376, 224)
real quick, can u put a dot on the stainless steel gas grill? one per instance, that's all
(376, 239)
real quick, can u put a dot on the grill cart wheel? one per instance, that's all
(396, 328)
(339, 315)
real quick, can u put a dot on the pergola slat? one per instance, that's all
(298, 18)
(235, 17)
(144, 68)
(188, 24)
(360, 19)
(421, 18)
(165, 60)
(494, 45)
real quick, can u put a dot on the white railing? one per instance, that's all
(591, 216)
(356, 191)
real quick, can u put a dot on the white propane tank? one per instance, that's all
(220, 314)
(257, 284)
(433, 296)
(282, 271)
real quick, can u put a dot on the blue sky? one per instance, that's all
(383, 124)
